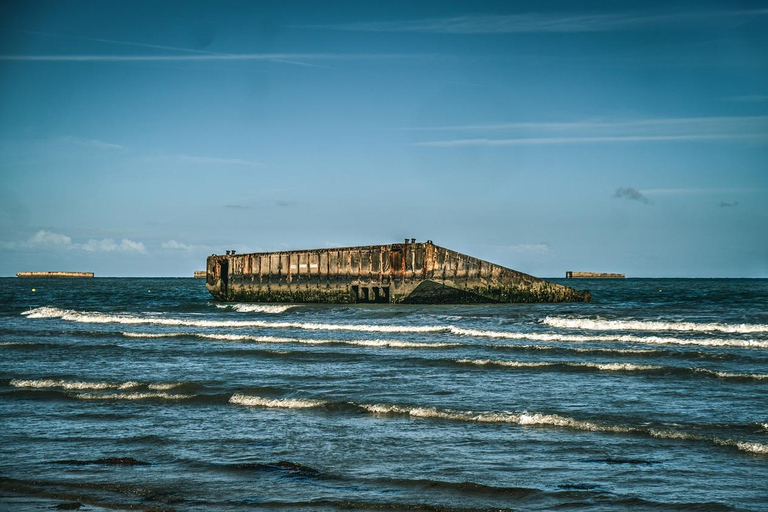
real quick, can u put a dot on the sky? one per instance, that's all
(139, 137)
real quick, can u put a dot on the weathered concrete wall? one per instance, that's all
(602, 275)
(54, 274)
(408, 273)
(200, 274)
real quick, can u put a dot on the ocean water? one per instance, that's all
(147, 394)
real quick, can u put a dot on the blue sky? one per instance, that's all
(136, 138)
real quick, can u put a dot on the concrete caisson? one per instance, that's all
(410, 272)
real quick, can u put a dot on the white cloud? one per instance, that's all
(51, 240)
(48, 238)
(109, 245)
(176, 246)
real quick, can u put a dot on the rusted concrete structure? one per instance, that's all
(54, 274)
(415, 273)
(601, 275)
(200, 274)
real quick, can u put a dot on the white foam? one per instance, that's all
(744, 446)
(258, 308)
(274, 403)
(276, 339)
(165, 385)
(52, 383)
(613, 338)
(637, 325)
(539, 364)
(10, 343)
(102, 318)
(728, 375)
(131, 396)
(84, 385)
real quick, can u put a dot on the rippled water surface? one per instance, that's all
(147, 394)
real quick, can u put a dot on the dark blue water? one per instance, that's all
(147, 394)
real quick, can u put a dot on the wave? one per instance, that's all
(519, 419)
(258, 308)
(274, 403)
(638, 325)
(95, 386)
(102, 318)
(131, 396)
(613, 338)
(276, 339)
(70, 385)
(611, 367)
(555, 420)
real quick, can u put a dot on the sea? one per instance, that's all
(147, 394)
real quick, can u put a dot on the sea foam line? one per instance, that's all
(611, 367)
(637, 325)
(258, 308)
(85, 385)
(69, 385)
(131, 396)
(520, 419)
(101, 318)
(274, 403)
(276, 339)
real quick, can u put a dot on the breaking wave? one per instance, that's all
(276, 339)
(131, 396)
(258, 308)
(274, 403)
(71, 385)
(95, 386)
(611, 367)
(636, 325)
(555, 420)
(520, 419)
(103, 318)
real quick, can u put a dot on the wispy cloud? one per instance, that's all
(280, 57)
(750, 98)
(716, 122)
(49, 240)
(159, 47)
(726, 204)
(214, 160)
(173, 245)
(532, 141)
(552, 22)
(610, 131)
(631, 194)
(93, 143)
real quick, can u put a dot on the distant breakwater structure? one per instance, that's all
(592, 275)
(409, 273)
(55, 274)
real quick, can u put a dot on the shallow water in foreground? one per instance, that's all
(147, 394)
